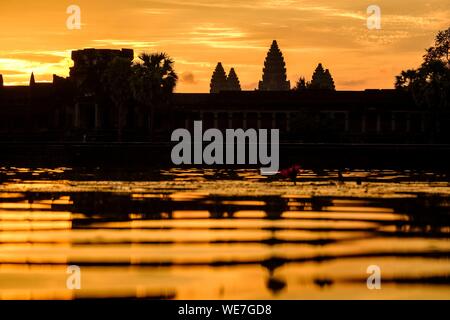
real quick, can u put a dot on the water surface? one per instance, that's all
(223, 234)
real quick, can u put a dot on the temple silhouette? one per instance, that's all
(322, 79)
(233, 81)
(274, 72)
(220, 81)
(74, 109)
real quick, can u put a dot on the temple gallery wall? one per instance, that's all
(72, 109)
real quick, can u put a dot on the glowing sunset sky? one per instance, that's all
(199, 33)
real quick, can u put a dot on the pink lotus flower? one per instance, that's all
(291, 172)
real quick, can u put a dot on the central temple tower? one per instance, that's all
(274, 72)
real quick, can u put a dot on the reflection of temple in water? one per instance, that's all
(293, 232)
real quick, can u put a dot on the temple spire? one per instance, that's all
(218, 80)
(329, 80)
(274, 73)
(233, 81)
(322, 79)
(32, 81)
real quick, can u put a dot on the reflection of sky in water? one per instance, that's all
(191, 233)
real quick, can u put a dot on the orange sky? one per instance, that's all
(199, 33)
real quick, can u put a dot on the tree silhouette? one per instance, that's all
(441, 49)
(430, 83)
(153, 82)
(301, 84)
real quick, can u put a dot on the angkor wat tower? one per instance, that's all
(274, 72)
(219, 80)
(322, 79)
(233, 81)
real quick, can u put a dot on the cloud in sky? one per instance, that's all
(199, 33)
(188, 77)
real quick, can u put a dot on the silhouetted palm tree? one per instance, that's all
(154, 80)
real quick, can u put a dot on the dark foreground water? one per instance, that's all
(217, 234)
